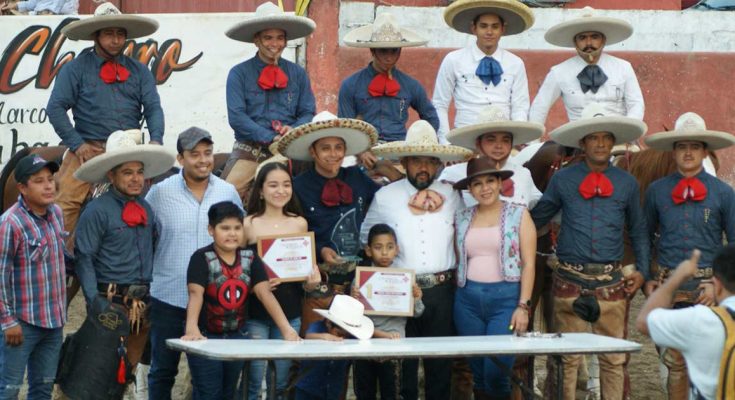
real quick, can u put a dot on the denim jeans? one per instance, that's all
(167, 322)
(267, 329)
(215, 379)
(40, 352)
(486, 309)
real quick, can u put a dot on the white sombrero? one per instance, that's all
(516, 15)
(615, 30)
(691, 127)
(270, 16)
(358, 135)
(349, 314)
(596, 119)
(122, 147)
(108, 16)
(383, 33)
(421, 140)
(492, 119)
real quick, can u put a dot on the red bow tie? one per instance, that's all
(688, 189)
(508, 189)
(112, 72)
(596, 184)
(336, 192)
(134, 214)
(272, 77)
(382, 85)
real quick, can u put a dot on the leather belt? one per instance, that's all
(702, 273)
(593, 269)
(426, 281)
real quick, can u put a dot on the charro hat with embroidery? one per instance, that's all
(421, 140)
(615, 30)
(123, 147)
(383, 33)
(517, 16)
(492, 119)
(690, 127)
(349, 314)
(106, 15)
(595, 118)
(358, 135)
(270, 16)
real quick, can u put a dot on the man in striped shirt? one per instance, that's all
(32, 284)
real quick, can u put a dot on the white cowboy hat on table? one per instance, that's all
(492, 119)
(383, 33)
(615, 30)
(421, 141)
(690, 127)
(349, 314)
(517, 16)
(270, 16)
(596, 119)
(122, 147)
(358, 136)
(106, 15)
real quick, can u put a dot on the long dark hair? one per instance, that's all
(256, 204)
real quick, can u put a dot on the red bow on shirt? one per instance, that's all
(271, 77)
(509, 188)
(134, 214)
(382, 85)
(596, 184)
(336, 192)
(112, 72)
(688, 189)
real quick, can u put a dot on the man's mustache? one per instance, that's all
(589, 48)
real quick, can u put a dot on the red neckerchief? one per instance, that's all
(688, 189)
(508, 188)
(336, 192)
(596, 184)
(134, 214)
(383, 85)
(112, 72)
(272, 76)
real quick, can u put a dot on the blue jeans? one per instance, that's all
(267, 329)
(167, 322)
(486, 309)
(40, 352)
(215, 379)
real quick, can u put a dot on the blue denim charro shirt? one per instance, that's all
(324, 379)
(251, 110)
(692, 224)
(100, 108)
(387, 114)
(592, 230)
(107, 250)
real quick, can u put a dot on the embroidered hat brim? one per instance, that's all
(523, 132)
(136, 26)
(295, 27)
(517, 16)
(615, 30)
(446, 153)
(363, 37)
(665, 141)
(623, 128)
(363, 331)
(155, 158)
(358, 135)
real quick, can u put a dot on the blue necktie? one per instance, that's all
(591, 78)
(489, 70)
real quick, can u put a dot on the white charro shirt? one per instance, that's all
(525, 191)
(456, 79)
(426, 241)
(620, 94)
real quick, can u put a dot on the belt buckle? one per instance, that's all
(441, 277)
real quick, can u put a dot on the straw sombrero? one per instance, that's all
(691, 127)
(596, 119)
(270, 16)
(517, 16)
(383, 33)
(492, 119)
(108, 16)
(421, 140)
(358, 135)
(122, 147)
(615, 30)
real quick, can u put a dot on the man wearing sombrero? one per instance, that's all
(689, 209)
(380, 93)
(106, 91)
(599, 203)
(482, 73)
(114, 263)
(266, 95)
(591, 76)
(421, 210)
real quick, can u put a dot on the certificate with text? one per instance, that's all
(386, 291)
(288, 258)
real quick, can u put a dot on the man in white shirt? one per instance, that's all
(696, 331)
(483, 74)
(420, 209)
(591, 75)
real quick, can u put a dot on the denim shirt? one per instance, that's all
(251, 110)
(592, 230)
(387, 113)
(100, 108)
(692, 224)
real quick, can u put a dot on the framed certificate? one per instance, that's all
(386, 291)
(288, 258)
